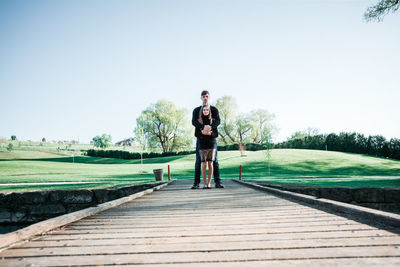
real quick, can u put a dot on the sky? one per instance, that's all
(71, 70)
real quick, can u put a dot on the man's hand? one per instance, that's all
(206, 132)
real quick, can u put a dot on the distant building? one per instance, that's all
(126, 142)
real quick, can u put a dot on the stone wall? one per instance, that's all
(35, 206)
(376, 198)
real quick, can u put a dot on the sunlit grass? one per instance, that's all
(285, 163)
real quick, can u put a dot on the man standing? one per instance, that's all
(205, 129)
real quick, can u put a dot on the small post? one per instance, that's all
(240, 172)
(169, 173)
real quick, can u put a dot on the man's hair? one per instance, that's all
(205, 92)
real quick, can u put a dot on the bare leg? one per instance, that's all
(203, 171)
(210, 172)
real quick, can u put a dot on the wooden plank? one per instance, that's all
(207, 227)
(117, 248)
(184, 221)
(338, 262)
(199, 232)
(340, 235)
(201, 257)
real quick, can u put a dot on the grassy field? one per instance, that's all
(35, 166)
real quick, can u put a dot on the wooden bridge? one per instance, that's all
(235, 226)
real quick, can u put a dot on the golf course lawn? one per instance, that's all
(39, 167)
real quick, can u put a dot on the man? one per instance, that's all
(205, 97)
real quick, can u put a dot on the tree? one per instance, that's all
(44, 140)
(164, 127)
(13, 137)
(381, 9)
(102, 141)
(262, 127)
(227, 107)
(243, 129)
(10, 147)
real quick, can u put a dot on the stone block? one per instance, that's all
(392, 195)
(57, 195)
(114, 194)
(2, 200)
(13, 200)
(5, 216)
(79, 196)
(18, 216)
(72, 196)
(337, 193)
(47, 209)
(368, 195)
(101, 195)
(35, 197)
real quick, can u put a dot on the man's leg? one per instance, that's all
(197, 166)
(217, 179)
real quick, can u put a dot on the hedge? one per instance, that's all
(121, 154)
(375, 145)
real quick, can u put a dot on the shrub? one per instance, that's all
(10, 147)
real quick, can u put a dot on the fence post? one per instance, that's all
(169, 173)
(240, 172)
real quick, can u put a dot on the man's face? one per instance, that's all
(205, 98)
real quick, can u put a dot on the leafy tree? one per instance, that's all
(243, 129)
(381, 9)
(262, 127)
(227, 108)
(13, 137)
(43, 140)
(165, 127)
(102, 141)
(297, 135)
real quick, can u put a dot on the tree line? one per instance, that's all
(375, 145)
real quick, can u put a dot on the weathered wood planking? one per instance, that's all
(235, 226)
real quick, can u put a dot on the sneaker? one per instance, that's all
(219, 186)
(195, 186)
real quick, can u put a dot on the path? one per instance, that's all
(235, 226)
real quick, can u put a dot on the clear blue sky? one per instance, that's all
(76, 69)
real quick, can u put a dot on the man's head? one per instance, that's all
(205, 96)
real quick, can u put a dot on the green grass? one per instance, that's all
(49, 166)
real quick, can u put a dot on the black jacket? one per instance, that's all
(207, 141)
(199, 126)
(214, 130)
